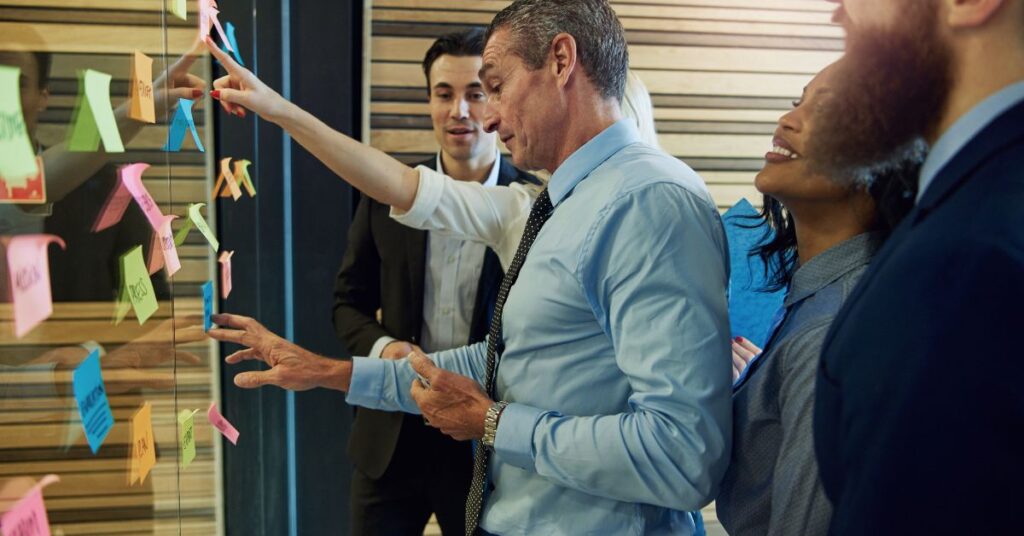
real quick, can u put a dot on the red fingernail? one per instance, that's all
(240, 112)
(196, 93)
(215, 93)
(738, 339)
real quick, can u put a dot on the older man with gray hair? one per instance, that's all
(600, 400)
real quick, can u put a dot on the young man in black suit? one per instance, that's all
(432, 291)
(919, 417)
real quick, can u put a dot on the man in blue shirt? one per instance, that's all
(919, 415)
(606, 374)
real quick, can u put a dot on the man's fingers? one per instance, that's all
(423, 366)
(236, 336)
(231, 321)
(187, 357)
(252, 380)
(243, 355)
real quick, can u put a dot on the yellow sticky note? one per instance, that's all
(140, 89)
(17, 159)
(186, 436)
(177, 8)
(93, 119)
(143, 449)
(243, 178)
(136, 287)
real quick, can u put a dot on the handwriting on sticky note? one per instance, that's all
(207, 305)
(143, 448)
(195, 218)
(243, 178)
(220, 423)
(186, 436)
(17, 158)
(208, 14)
(225, 273)
(226, 184)
(93, 406)
(28, 516)
(162, 251)
(137, 287)
(93, 119)
(181, 123)
(178, 8)
(140, 87)
(28, 270)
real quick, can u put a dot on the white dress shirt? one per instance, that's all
(450, 283)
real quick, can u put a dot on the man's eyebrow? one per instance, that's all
(475, 84)
(442, 85)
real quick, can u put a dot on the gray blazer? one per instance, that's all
(772, 485)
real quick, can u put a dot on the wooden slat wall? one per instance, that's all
(40, 431)
(720, 73)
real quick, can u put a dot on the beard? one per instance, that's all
(891, 87)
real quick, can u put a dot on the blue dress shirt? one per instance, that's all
(617, 359)
(965, 129)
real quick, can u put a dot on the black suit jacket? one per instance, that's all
(384, 268)
(919, 414)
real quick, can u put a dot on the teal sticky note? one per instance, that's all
(750, 307)
(229, 29)
(182, 122)
(207, 305)
(93, 406)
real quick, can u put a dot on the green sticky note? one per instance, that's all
(93, 120)
(137, 286)
(177, 8)
(17, 159)
(187, 436)
(196, 217)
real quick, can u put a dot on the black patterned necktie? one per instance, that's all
(540, 213)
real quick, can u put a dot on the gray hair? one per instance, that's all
(600, 39)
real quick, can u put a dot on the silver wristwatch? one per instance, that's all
(491, 423)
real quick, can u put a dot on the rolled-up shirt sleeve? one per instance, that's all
(384, 383)
(665, 310)
(492, 215)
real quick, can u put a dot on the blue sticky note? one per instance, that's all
(182, 122)
(93, 406)
(229, 29)
(207, 305)
(751, 309)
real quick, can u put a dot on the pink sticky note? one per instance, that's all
(208, 15)
(28, 270)
(225, 273)
(113, 209)
(28, 516)
(162, 252)
(131, 176)
(219, 422)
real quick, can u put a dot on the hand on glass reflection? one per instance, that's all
(240, 89)
(453, 403)
(291, 366)
(742, 352)
(154, 349)
(177, 83)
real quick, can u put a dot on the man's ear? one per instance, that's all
(971, 13)
(563, 58)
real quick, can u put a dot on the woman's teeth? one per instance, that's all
(785, 152)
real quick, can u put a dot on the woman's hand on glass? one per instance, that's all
(241, 90)
(743, 351)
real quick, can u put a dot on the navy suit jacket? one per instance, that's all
(919, 414)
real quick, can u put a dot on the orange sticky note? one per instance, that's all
(162, 251)
(141, 89)
(28, 516)
(143, 447)
(226, 179)
(28, 270)
(225, 273)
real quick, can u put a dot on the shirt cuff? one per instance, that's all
(428, 197)
(378, 347)
(367, 382)
(514, 438)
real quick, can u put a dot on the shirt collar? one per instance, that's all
(589, 156)
(492, 178)
(964, 130)
(828, 266)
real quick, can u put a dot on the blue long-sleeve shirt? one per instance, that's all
(616, 362)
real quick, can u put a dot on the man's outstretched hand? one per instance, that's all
(453, 403)
(291, 366)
